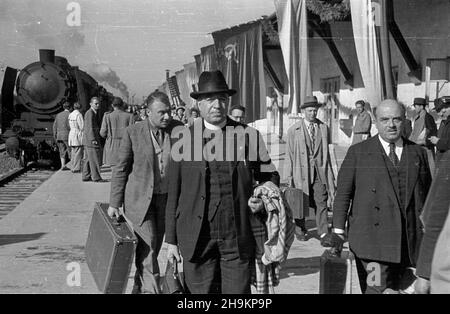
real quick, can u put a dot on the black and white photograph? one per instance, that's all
(224, 151)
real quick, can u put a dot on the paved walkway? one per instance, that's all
(48, 231)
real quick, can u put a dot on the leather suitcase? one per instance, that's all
(336, 273)
(109, 250)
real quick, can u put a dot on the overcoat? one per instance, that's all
(113, 126)
(367, 198)
(188, 184)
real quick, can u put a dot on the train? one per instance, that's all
(33, 96)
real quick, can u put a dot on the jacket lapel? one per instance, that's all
(319, 136)
(146, 134)
(305, 134)
(381, 159)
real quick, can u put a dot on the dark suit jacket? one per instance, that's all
(91, 131)
(443, 144)
(132, 178)
(61, 126)
(364, 186)
(434, 214)
(186, 202)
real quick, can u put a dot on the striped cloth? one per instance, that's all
(279, 235)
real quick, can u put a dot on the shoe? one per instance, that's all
(64, 169)
(300, 234)
(101, 181)
(325, 243)
(86, 180)
(76, 171)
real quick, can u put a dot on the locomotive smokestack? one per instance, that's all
(47, 55)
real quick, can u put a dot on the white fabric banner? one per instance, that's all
(363, 21)
(293, 34)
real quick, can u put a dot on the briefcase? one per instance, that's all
(336, 273)
(173, 282)
(109, 250)
(297, 201)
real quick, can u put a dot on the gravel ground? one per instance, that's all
(7, 163)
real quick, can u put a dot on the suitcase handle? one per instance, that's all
(117, 221)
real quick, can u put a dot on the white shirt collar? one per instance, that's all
(398, 146)
(213, 127)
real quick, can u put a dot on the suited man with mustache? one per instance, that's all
(381, 190)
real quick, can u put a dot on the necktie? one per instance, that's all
(392, 155)
(312, 134)
(160, 137)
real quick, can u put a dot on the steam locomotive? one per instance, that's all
(41, 88)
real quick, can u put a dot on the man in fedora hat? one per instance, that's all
(423, 127)
(309, 166)
(209, 217)
(442, 140)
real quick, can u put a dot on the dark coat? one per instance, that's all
(113, 127)
(443, 144)
(61, 126)
(132, 178)
(185, 211)
(365, 187)
(91, 132)
(435, 212)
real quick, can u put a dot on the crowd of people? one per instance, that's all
(208, 210)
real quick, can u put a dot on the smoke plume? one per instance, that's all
(104, 74)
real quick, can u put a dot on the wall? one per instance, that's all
(425, 26)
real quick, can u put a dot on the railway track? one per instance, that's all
(17, 185)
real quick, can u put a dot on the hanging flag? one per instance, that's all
(240, 59)
(198, 63)
(365, 17)
(190, 72)
(182, 85)
(208, 58)
(293, 34)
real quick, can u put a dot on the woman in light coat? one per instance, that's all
(76, 124)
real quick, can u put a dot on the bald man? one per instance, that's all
(381, 189)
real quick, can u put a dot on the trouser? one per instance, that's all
(375, 277)
(76, 156)
(219, 269)
(91, 163)
(150, 237)
(318, 198)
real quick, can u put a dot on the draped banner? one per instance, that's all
(240, 58)
(191, 74)
(198, 63)
(183, 87)
(293, 34)
(363, 13)
(208, 58)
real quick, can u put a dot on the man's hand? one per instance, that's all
(422, 286)
(114, 212)
(173, 253)
(256, 204)
(434, 140)
(335, 241)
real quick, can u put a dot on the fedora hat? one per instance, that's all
(420, 101)
(441, 103)
(212, 83)
(310, 101)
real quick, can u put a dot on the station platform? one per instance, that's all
(46, 234)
